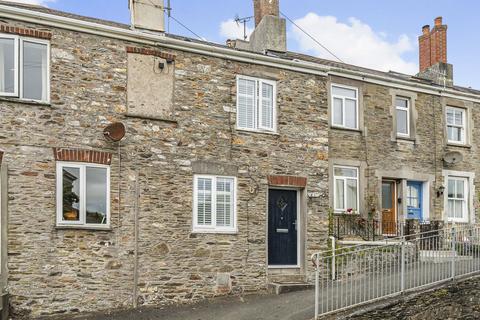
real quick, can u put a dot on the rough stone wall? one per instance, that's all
(59, 271)
(457, 301)
(374, 147)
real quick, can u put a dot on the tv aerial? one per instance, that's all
(244, 20)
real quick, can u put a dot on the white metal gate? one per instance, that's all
(357, 275)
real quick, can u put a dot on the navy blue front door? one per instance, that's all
(282, 227)
(414, 200)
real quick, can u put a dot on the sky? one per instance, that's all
(379, 34)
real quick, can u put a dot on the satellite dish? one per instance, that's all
(453, 157)
(114, 132)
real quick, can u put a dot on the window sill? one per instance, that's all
(25, 101)
(459, 145)
(272, 133)
(405, 139)
(145, 117)
(346, 129)
(82, 227)
(227, 232)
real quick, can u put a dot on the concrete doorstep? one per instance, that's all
(284, 287)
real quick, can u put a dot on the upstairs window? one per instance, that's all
(345, 194)
(456, 125)
(256, 104)
(402, 107)
(83, 195)
(214, 204)
(344, 107)
(24, 68)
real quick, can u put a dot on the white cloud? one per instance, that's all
(37, 2)
(231, 30)
(354, 42)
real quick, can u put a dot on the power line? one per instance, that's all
(311, 37)
(186, 27)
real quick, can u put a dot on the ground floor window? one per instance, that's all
(457, 196)
(345, 195)
(214, 204)
(83, 194)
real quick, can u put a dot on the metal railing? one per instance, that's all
(357, 275)
(351, 225)
(346, 225)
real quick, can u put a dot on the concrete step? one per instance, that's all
(286, 278)
(284, 287)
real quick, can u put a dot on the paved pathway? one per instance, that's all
(289, 306)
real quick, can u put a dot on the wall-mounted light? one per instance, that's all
(440, 191)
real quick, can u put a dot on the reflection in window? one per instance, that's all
(7, 66)
(346, 189)
(83, 194)
(71, 194)
(96, 195)
(34, 71)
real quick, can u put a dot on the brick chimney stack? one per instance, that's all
(432, 46)
(270, 32)
(264, 8)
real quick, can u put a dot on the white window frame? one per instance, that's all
(407, 109)
(463, 127)
(82, 221)
(213, 227)
(16, 63)
(18, 77)
(343, 98)
(257, 114)
(466, 196)
(345, 178)
(37, 41)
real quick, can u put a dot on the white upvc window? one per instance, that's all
(24, 68)
(256, 104)
(456, 125)
(214, 204)
(457, 199)
(83, 195)
(345, 190)
(402, 109)
(344, 106)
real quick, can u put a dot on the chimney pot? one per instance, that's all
(426, 29)
(438, 21)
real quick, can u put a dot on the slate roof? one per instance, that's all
(286, 56)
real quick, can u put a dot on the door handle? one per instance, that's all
(295, 224)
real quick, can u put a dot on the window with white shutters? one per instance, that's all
(214, 204)
(256, 104)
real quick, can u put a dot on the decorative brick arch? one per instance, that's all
(287, 181)
(79, 155)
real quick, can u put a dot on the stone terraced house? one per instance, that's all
(143, 168)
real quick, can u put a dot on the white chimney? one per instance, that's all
(147, 14)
